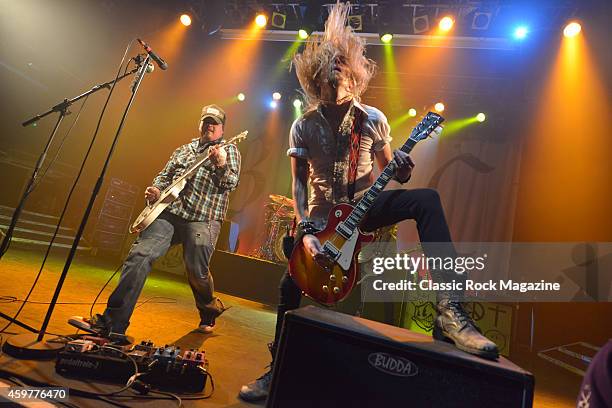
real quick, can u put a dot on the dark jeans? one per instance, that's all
(198, 239)
(422, 205)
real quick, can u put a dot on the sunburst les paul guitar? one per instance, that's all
(170, 193)
(342, 239)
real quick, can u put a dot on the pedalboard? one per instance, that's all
(167, 368)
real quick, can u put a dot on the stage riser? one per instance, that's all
(246, 277)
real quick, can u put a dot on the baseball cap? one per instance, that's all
(215, 112)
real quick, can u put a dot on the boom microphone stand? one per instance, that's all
(62, 108)
(30, 345)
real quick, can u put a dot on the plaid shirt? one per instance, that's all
(206, 194)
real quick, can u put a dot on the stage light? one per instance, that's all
(439, 107)
(481, 20)
(278, 20)
(481, 117)
(386, 37)
(572, 29)
(297, 103)
(303, 33)
(420, 24)
(356, 22)
(185, 20)
(276, 96)
(273, 104)
(412, 112)
(261, 20)
(520, 32)
(241, 97)
(446, 23)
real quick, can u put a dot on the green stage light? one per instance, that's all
(303, 34)
(386, 38)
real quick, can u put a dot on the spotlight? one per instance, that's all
(241, 97)
(481, 117)
(439, 107)
(520, 32)
(278, 20)
(276, 96)
(386, 37)
(303, 33)
(572, 29)
(446, 23)
(185, 20)
(261, 20)
(297, 103)
(412, 112)
(420, 24)
(273, 104)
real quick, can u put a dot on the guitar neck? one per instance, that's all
(189, 171)
(366, 202)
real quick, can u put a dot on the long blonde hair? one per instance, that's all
(318, 56)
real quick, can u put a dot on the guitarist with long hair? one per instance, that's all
(332, 149)
(194, 219)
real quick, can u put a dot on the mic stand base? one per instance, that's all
(28, 346)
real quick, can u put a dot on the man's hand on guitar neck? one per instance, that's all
(152, 194)
(314, 248)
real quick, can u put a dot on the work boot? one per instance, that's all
(97, 324)
(259, 389)
(454, 325)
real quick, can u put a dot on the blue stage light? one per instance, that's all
(521, 32)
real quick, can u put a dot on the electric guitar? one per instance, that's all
(170, 193)
(341, 239)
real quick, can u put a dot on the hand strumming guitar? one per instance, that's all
(314, 248)
(152, 194)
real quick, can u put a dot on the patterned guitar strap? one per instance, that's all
(354, 153)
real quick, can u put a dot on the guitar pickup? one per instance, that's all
(331, 250)
(345, 231)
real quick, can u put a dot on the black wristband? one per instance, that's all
(304, 227)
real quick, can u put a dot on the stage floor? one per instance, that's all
(237, 350)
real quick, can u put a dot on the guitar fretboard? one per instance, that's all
(421, 131)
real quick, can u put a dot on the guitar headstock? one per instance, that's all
(426, 126)
(238, 138)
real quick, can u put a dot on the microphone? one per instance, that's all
(162, 64)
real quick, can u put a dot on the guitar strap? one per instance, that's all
(354, 153)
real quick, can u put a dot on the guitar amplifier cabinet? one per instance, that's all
(329, 359)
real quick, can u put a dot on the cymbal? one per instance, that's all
(282, 200)
(279, 211)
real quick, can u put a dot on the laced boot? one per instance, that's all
(454, 325)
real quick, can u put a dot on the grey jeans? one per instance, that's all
(198, 239)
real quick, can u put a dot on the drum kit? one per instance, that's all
(279, 217)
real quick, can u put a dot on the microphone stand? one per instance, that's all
(62, 108)
(32, 345)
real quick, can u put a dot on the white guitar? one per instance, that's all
(170, 193)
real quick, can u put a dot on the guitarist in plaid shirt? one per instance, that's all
(194, 219)
(333, 72)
